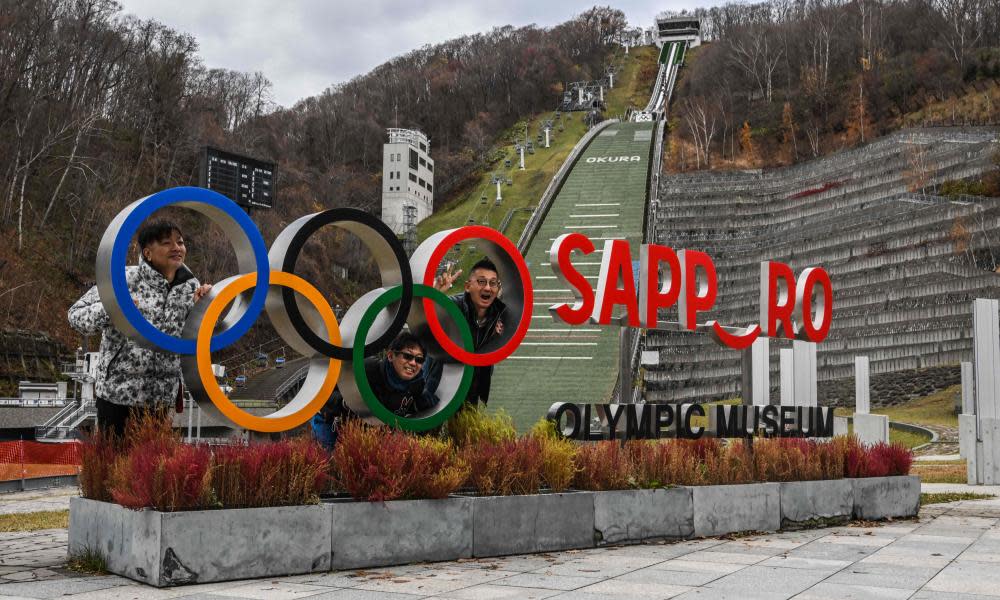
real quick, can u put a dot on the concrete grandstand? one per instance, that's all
(905, 266)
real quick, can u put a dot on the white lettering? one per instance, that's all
(613, 159)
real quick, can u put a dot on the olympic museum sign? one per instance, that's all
(165, 548)
(791, 307)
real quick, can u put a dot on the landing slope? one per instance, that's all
(603, 200)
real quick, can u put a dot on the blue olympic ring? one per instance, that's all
(146, 207)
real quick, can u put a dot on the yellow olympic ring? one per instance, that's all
(276, 421)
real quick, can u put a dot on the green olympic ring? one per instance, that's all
(439, 416)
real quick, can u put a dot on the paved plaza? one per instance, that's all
(951, 552)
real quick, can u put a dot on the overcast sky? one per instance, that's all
(305, 46)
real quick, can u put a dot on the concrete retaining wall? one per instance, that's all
(167, 549)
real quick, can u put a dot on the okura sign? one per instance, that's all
(793, 307)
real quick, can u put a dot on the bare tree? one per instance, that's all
(700, 116)
(964, 19)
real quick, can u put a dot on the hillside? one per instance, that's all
(633, 82)
(98, 108)
(778, 84)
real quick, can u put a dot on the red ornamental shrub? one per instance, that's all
(855, 457)
(435, 469)
(666, 462)
(888, 459)
(603, 466)
(101, 451)
(505, 468)
(380, 464)
(288, 472)
(163, 475)
(370, 462)
(648, 462)
(733, 464)
(97, 457)
(703, 447)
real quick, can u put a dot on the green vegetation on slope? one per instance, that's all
(634, 82)
(528, 185)
(632, 87)
(935, 409)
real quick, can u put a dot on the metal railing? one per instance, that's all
(35, 402)
(556, 184)
(510, 215)
(62, 414)
(249, 364)
(63, 427)
(291, 382)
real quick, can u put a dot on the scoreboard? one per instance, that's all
(246, 181)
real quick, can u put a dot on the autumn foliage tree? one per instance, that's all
(99, 108)
(821, 75)
(746, 144)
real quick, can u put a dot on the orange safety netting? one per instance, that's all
(36, 459)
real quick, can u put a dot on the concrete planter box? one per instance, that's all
(164, 549)
(537, 523)
(721, 509)
(376, 534)
(804, 501)
(886, 497)
(635, 515)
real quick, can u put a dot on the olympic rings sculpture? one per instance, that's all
(302, 316)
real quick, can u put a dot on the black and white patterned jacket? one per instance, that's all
(128, 374)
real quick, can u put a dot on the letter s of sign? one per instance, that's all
(559, 259)
(312, 328)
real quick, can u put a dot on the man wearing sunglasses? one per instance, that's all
(398, 379)
(484, 311)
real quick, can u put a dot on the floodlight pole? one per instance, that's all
(546, 137)
(611, 78)
(498, 181)
(522, 154)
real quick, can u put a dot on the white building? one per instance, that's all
(673, 27)
(407, 180)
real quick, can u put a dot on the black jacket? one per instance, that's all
(403, 403)
(479, 391)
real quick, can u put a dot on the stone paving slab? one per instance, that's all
(37, 500)
(941, 488)
(952, 551)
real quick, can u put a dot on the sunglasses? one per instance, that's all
(417, 358)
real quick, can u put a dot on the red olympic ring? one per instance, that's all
(454, 350)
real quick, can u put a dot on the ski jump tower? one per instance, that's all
(673, 27)
(407, 180)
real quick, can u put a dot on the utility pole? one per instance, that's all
(498, 179)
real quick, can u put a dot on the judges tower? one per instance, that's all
(407, 179)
